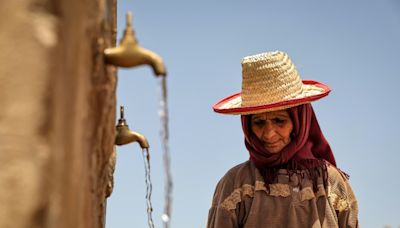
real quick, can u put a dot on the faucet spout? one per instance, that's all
(130, 54)
(145, 56)
(140, 139)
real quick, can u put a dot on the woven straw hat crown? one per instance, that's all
(269, 78)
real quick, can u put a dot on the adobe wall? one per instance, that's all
(57, 115)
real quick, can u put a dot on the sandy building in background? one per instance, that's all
(57, 117)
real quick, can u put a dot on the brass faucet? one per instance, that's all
(130, 54)
(125, 136)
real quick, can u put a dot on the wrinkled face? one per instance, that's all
(273, 129)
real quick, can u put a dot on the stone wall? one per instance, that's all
(57, 101)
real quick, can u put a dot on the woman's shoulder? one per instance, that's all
(335, 175)
(243, 173)
(240, 168)
(233, 183)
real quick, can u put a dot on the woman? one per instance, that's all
(291, 179)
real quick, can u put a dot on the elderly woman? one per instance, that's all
(291, 178)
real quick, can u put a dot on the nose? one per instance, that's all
(269, 132)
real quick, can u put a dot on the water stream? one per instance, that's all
(164, 134)
(146, 160)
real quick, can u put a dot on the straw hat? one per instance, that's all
(270, 82)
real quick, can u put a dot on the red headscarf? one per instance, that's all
(308, 148)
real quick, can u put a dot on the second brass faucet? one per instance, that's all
(125, 135)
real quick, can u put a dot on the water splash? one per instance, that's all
(149, 187)
(164, 134)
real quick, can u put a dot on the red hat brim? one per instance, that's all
(219, 107)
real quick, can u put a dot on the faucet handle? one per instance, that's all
(121, 111)
(129, 19)
(121, 120)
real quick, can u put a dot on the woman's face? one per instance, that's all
(273, 129)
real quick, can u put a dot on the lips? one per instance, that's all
(274, 147)
(271, 145)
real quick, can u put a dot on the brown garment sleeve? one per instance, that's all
(343, 200)
(349, 218)
(218, 215)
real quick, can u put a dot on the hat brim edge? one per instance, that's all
(272, 106)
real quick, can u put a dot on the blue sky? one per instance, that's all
(353, 46)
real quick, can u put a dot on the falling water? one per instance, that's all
(164, 133)
(146, 159)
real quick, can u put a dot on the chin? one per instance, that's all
(273, 150)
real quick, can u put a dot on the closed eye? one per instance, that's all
(279, 121)
(259, 123)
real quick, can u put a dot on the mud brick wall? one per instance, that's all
(57, 112)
